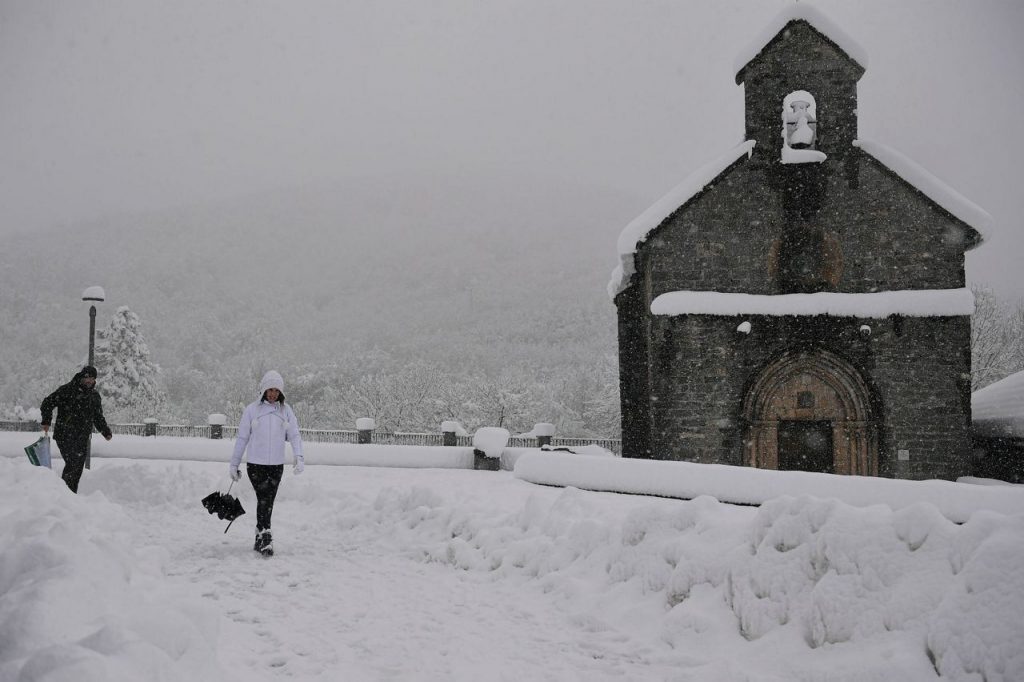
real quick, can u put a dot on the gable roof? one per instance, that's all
(636, 231)
(816, 20)
(934, 189)
(998, 409)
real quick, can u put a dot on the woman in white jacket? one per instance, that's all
(266, 425)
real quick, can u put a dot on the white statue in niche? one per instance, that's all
(800, 129)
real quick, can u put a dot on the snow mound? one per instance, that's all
(75, 600)
(887, 594)
(836, 574)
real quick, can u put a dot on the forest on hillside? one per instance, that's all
(368, 305)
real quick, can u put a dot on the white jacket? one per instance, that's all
(263, 430)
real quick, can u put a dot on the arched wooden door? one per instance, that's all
(816, 393)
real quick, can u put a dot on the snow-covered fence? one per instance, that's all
(614, 445)
(337, 436)
(156, 429)
(20, 426)
(183, 430)
(328, 436)
(133, 429)
(405, 438)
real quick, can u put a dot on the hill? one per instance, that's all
(474, 276)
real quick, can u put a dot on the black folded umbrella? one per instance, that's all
(224, 506)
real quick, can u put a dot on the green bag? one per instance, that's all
(39, 452)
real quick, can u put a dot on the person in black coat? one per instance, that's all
(78, 409)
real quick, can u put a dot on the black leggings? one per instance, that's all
(265, 478)
(74, 465)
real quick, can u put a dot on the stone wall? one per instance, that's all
(889, 234)
(915, 368)
(634, 379)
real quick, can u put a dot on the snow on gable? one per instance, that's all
(819, 21)
(912, 303)
(636, 232)
(998, 409)
(935, 189)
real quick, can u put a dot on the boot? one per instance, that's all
(260, 540)
(268, 544)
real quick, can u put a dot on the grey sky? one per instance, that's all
(121, 105)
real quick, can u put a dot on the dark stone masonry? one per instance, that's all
(886, 396)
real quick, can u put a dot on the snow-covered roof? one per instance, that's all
(998, 409)
(912, 303)
(636, 232)
(935, 189)
(812, 16)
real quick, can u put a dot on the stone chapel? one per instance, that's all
(800, 302)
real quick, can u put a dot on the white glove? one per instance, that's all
(234, 473)
(299, 467)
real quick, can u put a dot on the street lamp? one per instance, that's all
(93, 294)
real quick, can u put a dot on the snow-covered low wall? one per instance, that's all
(398, 456)
(509, 456)
(744, 485)
(204, 450)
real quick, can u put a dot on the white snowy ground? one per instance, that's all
(434, 574)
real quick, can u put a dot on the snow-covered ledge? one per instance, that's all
(938, 191)
(790, 155)
(636, 232)
(911, 303)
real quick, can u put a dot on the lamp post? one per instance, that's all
(93, 295)
(98, 295)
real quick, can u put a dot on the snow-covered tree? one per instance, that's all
(18, 413)
(997, 349)
(586, 399)
(501, 400)
(128, 378)
(400, 401)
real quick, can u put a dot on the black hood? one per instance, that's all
(87, 371)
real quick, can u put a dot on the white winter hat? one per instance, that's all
(271, 380)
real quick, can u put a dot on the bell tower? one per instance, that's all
(798, 63)
(801, 108)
